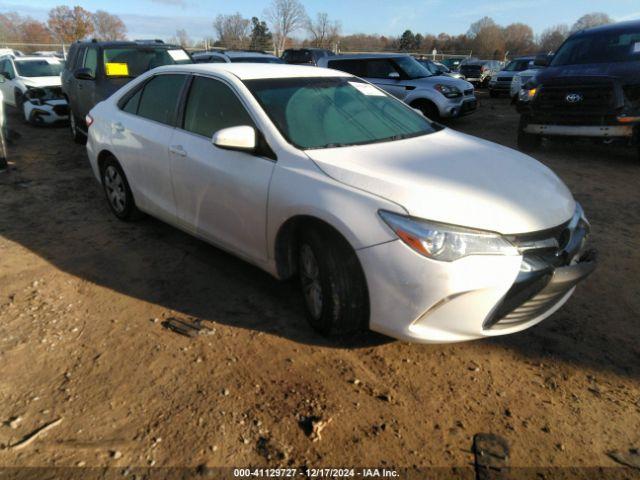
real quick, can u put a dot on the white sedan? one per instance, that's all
(390, 221)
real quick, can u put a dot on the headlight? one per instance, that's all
(35, 95)
(445, 242)
(527, 94)
(448, 91)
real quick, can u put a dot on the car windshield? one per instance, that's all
(412, 68)
(326, 112)
(256, 60)
(600, 47)
(517, 65)
(134, 61)
(38, 68)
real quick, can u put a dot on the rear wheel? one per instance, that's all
(117, 191)
(527, 142)
(76, 134)
(332, 281)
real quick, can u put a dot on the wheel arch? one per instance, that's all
(286, 241)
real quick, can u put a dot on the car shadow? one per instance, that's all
(52, 206)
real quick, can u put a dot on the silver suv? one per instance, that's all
(437, 96)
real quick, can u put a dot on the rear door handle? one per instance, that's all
(178, 150)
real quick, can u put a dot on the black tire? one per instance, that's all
(117, 191)
(428, 109)
(76, 134)
(339, 281)
(527, 142)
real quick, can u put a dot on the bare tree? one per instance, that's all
(108, 26)
(590, 20)
(181, 38)
(285, 16)
(552, 38)
(518, 38)
(477, 27)
(232, 30)
(324, 32)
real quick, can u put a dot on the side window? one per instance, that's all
(131, 105)
(354, 67)
(159, 98)
(71, 57)
(91, 60)
(11, 69)
(79, 57)
(379, 69)
(212, 106)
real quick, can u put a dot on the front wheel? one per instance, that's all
(527, 142)
(332, 281)
(76, 134)
(117, 191)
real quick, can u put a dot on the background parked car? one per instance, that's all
(305, 56)
(32, 85)
(235, 56)
(591, 89)
(402, 76)
(480, 72)
(501, 83)
(94, 70)
(520, 79)
(438, 68)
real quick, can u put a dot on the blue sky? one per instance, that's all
(160, 18)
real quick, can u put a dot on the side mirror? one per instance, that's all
(83, 74)
(542, 61)
(243, 138)
(394, 75)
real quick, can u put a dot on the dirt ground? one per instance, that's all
(83, 298)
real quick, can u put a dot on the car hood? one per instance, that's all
(41, 81)
(429, 82)
(624, 70)
(454, 178)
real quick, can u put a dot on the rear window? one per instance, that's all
(134, 61)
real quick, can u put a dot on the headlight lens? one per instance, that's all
(445, 242)
(527, 94)
(448, 90)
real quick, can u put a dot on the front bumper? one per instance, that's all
(503, 87)
(592, 131)
(458, 108)
(48, 112)
(417, 299)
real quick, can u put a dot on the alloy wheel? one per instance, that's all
(114, 186)
(310, 279)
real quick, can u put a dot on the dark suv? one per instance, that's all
(94, 70)
(591, 89)
(305, 56)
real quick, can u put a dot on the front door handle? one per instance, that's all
(178, 150)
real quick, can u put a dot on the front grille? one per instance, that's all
(61, 110)
(593, 98)
(533, 293)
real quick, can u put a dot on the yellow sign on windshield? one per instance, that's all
(117, 69)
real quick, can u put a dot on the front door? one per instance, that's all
(221, 195)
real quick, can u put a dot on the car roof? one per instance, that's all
(34, 57)
(127, 43)
(245, 53)
(254, 71)
(619, 27)
(366, 56)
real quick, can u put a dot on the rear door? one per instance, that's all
(141, 131)
(221, 194)
(85, 89)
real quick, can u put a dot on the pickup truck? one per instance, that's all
(591, 89)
